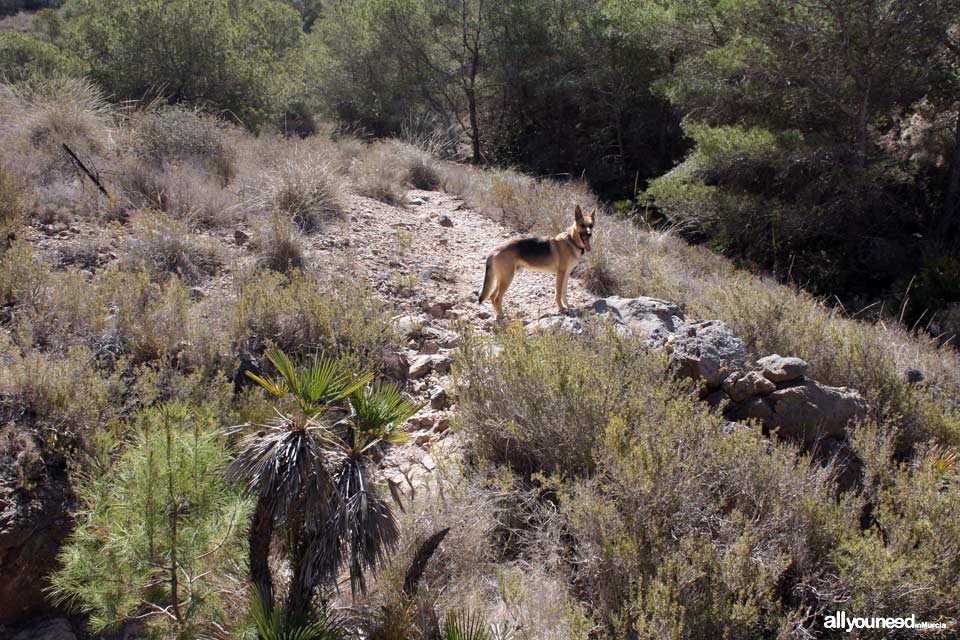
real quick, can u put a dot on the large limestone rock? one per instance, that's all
(806, 411)
(810, 410)
(567, 324)
(707, 351)
(777, 368)
(650, 319)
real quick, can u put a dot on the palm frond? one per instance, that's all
(461, 625)
(363, 530)
(378, 412)
(314, 387)
(283, 467)
(273, 624)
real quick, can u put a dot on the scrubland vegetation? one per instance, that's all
(593, 494)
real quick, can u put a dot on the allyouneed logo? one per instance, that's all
(840, 620)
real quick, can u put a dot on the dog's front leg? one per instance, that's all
(561, 294)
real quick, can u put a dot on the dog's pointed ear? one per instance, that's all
(593, 216)
(577, 213)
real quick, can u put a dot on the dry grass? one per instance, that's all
(308, 189)
(280, 247)
(377, 174)
(12, 209)
(162, 246)
(517, 200)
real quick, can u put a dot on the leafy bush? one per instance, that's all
(158, 527)
(680, 527)
(65, 398)
(536, 406)
(244, 61)
(180, 135)
(302, 313)
(23, 57)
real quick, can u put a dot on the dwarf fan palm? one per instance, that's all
(365, 529)
(284, 464)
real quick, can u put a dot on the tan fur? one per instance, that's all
(558, 255)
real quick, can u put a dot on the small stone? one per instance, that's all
(240, 237)
(437, 309)
(439, 399)
(913, 376)
(445, 221)
(442, 424)
(428, 462)
(431, 347)
(743, 386)
(421, 439)
(409, 326)
(777, 368)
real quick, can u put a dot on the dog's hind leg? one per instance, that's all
(503, 281)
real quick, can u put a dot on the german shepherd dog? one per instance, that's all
(557, 255)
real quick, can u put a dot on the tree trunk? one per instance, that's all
(302, 583)
(474, 125)
(261, 533)
(951, 199)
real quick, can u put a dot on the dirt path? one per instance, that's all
(428, 258)
(433, 251)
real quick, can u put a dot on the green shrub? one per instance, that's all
(538, 404)
(681, 527)
(157, 529)
(23, 57)
(63, 397)
(305, 313)
(21, 274)
(11, 201)
(244, 62)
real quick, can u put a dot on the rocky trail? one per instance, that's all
(427, 258)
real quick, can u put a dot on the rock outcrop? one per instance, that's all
(777, 394)
(33, 523)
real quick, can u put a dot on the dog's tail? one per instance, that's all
(487, 280)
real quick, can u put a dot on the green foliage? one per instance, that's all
(378, 413)
(465, 626)
(244, 61)
(300, 314)
(156, 529)
(536, 406)
(24, 56)
(11, 200)
(313, 388)
(329, 517)
(272, 624)
(683, 528)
